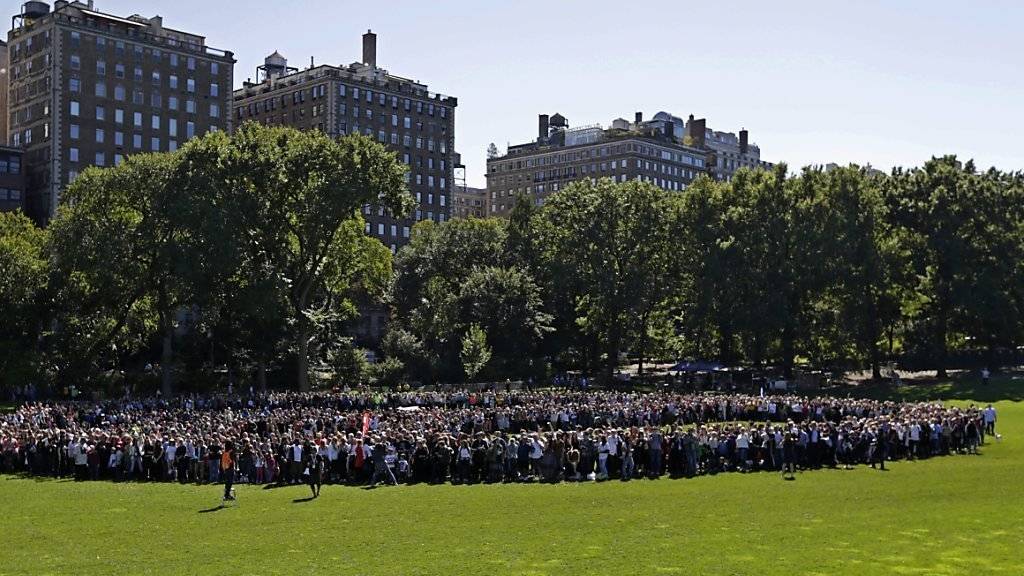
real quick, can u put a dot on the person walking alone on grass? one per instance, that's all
(227, 469)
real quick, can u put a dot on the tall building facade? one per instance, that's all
(418, 125)
(4, 87)
(89, 88)
(638, 150)
(12, 180)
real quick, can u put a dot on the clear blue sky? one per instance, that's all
(885, 82)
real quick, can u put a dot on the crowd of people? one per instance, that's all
(362, 437)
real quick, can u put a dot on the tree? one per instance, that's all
(298, 195)
(24, 269)
(608, 246)
(475, 351)
(492, 151)
(126, 256)
(954, 221)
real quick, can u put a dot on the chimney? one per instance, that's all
(542, 127)
(743, 141)
(639, 119)
(370, 49)
(696, 129)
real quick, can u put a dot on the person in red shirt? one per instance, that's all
(227, 469)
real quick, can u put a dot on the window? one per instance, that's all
(214, 111)
(172, 81)
(118, 138)
(99, 135)
(74, 85)
(119, 71)
(137, 97)
(76, 39)
(154, 144)
(119, 93)
(407, 122)
(137, 119)
(154, 122)
(101, 89)
(174, 59)
(74, 108)
(190, 85)
(172, 102)
(119, 116)
(214, 68)
(138, 74)
(73, 154)
(101, 68)
(154, 99)
(73, 131)
(137, 141)
(394, 119)
(190, 63)
(190, 106)
(214, 89)
(355, 92)
(101, 159)
(118, 159)
(76, 62)
(190, 129)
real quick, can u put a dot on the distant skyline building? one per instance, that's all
(470, 202)
(727, 152)
(88, 88)
(647, 151)
(418, 125)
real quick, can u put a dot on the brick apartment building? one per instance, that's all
(418, 125)
(626, 151)
(88, 88)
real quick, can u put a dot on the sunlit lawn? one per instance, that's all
(955, 515)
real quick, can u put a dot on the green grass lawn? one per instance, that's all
(954, 515)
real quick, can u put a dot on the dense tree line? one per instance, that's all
(248, 252)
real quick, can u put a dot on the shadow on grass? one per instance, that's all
(214, 509)
(965, 386)
(301, 500)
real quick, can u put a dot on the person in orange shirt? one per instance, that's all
(227, 468)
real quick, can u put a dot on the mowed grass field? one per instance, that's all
(952, 515)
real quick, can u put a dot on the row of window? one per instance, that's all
(406, 140)
(596, 152)
(10, 194)
(121, 48)
(320, 91)
(10, 165)
(664, 183)
(75, 110)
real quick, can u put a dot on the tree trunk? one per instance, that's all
(876, 371)
(302, 359)
(261, 375)
(940, 346)
(613, 357)
(788, 350)
(167, 357)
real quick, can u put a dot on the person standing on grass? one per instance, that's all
(789, 455)
(990, 420)
(227, 469)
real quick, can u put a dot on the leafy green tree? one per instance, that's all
(475, 351)
(124, 257)
(961, 228)
(610, 243)
(298, 195)
(24, 270)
